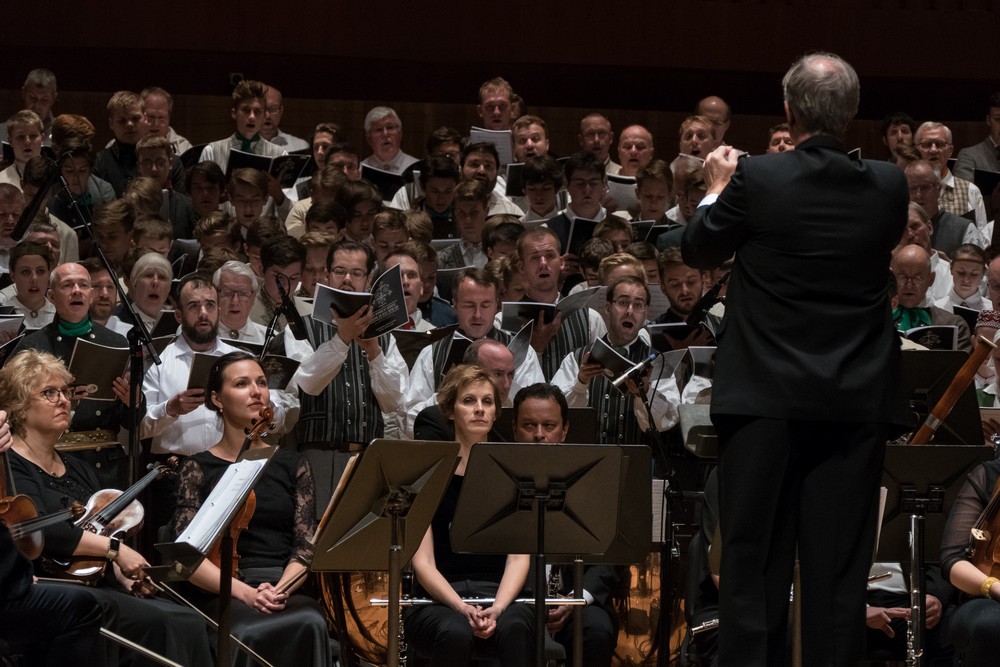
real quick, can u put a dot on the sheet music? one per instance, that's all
(222, 504)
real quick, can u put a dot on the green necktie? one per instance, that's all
(908, 318)
(246, 144)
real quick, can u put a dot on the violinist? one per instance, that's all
(35, 389)
(274, 548)
(975, 625)
(58, 624)
(452, 630)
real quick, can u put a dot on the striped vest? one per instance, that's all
(573, 333)
(347, 410)
(616, 422)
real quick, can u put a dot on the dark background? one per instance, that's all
(644, 63)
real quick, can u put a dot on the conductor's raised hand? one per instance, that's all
(719, 168)
(350, 328)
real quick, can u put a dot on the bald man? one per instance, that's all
(912, 267)
(716, 110)
(635, 149)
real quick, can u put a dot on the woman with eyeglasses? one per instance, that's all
(36, 392)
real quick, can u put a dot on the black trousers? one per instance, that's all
(975, 631)
(56, 625)
(783, 485)
(446, 636)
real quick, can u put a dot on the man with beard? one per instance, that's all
(349, 381)
(480, 162)
(682, 286)
(622, 417)
(94, 423)
(177, 419)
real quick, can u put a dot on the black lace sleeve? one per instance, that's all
(189, 495)
(969, 504)
(305, 512)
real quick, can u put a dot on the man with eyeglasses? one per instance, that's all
(912, 267)
(238, 287)
(384, 133)
(95, 424)
(596, 137)
(349, 381)
(958, 196)
(950, 230)
(622, 416)
(274, 109)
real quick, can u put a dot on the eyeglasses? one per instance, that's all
(52, 394)
(916, 280)
(340, 272)
(234, 294)
(624, 303)
(940, 145)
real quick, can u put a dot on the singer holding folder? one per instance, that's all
(622, 417)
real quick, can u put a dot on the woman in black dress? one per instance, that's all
(452, 631)
(34, 388)
(274, 550)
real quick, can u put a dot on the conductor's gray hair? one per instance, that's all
(822, 91)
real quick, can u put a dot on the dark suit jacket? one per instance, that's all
(981, 156)
(808, 332)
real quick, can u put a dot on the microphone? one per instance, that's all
(635, 370)
(295, 323)
(53, 172)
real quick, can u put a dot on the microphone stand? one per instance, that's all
(138, 337)
(668, 549)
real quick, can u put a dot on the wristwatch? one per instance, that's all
(113, 546)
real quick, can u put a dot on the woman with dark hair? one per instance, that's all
(451, 630)
(274, 550)
(34, 389)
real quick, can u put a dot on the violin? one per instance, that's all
(111, 513)
(259, 428)
(20, 514)
(984, 542)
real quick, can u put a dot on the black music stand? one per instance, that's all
(383, 513)
(634, 539)
(922, 482)
(517, 498)
(182, 558)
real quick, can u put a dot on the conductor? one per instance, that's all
(806, 370)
